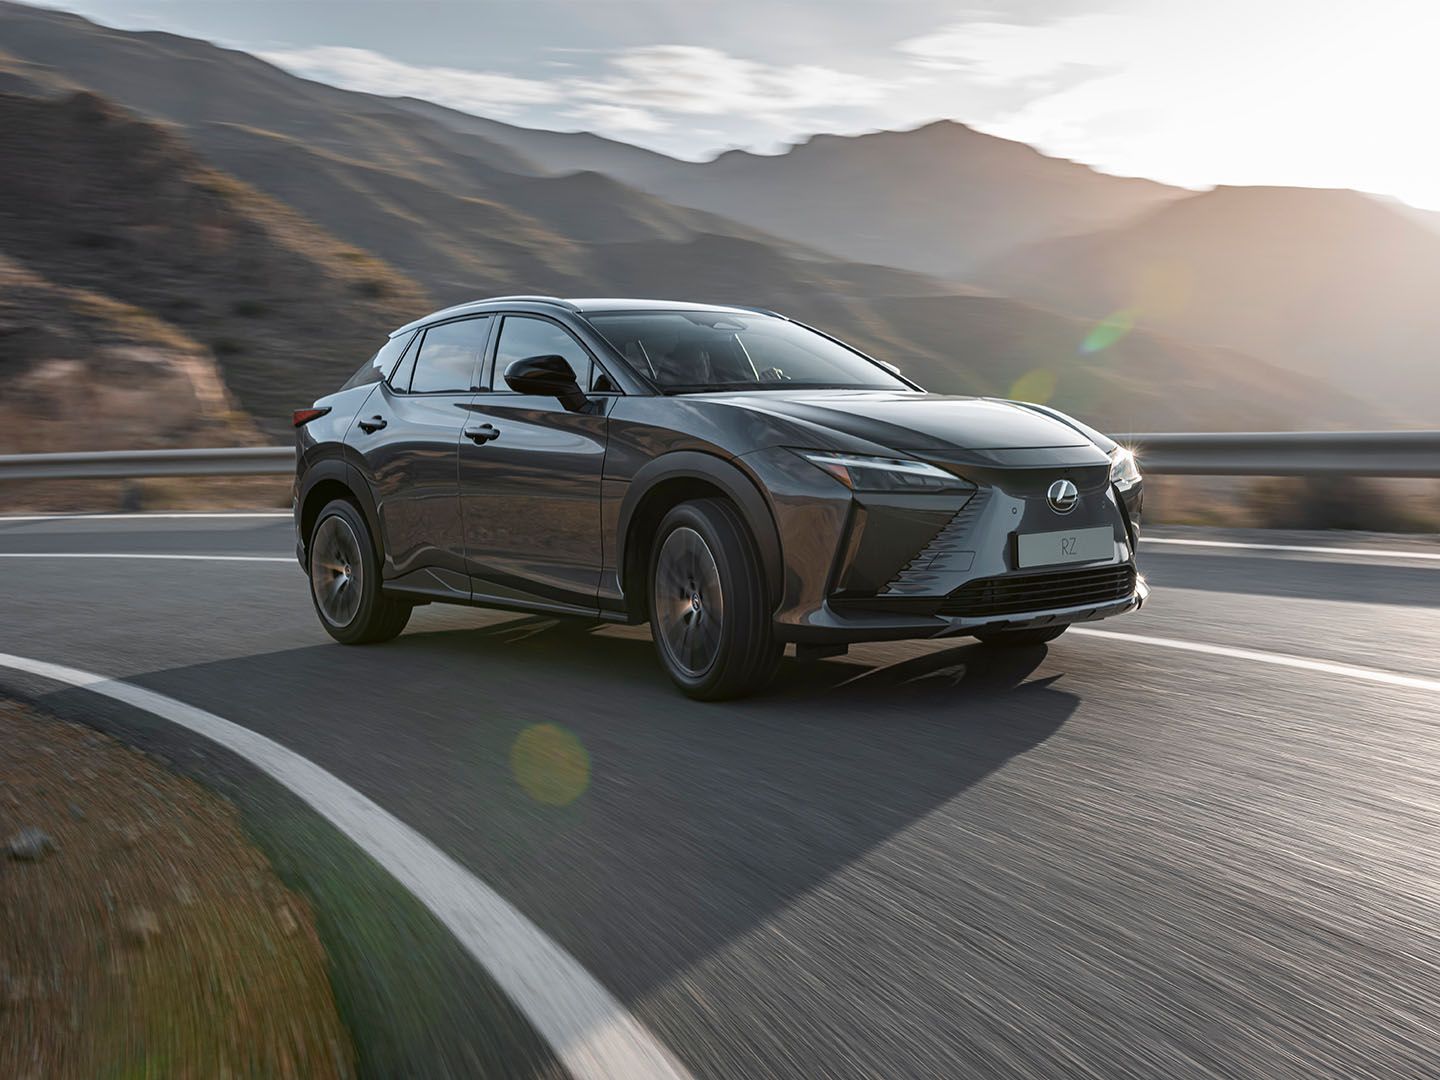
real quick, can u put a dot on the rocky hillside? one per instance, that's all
(284, 226)
(96, 200)
(79, 369)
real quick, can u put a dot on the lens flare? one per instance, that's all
(1109, 330)
(1036, 386)
(550, 764)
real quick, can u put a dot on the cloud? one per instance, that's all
(633, 91)
(486, 93)
(1225, 91)
(700, 81)
(1000, 53)
(617, 118)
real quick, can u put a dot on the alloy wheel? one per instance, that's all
(337, 571)
(689, 604)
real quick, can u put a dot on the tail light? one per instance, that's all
(301, 417)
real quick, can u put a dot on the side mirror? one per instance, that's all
(545, 376)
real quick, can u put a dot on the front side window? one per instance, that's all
(694, 351)
(382, 363)
(522, 337)
(449, 357)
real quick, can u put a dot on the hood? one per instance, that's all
(910, 421)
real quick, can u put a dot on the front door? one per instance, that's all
(407, 437)
(530, 475)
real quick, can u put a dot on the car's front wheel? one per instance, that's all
(1019, 638)
(345, 579)
(708, 610)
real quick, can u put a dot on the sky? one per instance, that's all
(1321, 93)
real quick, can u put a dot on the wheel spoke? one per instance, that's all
(336, 571)
(687, 602)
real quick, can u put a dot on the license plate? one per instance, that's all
(1074, 545)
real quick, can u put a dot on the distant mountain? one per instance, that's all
(95, 200)
(287, 233)
(940, 199)
(1331, 283)
(552, 152)
(186, 81)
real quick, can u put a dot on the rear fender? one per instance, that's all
(329, 472)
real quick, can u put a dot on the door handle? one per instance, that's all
(374, 424)
(482, 434)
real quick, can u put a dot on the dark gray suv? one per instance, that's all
(735, 478)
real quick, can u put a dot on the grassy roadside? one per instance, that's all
(143, 934)
(414, 1002)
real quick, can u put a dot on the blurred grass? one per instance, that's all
(414, 1001)
(153, 940)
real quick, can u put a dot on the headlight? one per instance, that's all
(1124, 471)
(861, 472)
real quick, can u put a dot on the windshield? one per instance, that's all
(693, 351)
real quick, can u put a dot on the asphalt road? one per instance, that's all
(1106, 858)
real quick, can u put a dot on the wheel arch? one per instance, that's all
(335, 479)
(679, 477)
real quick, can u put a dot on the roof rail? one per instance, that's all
(474, 305)
(532, 299)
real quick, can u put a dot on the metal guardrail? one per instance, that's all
(232, 461)
(1265, 453)
(1290, 453)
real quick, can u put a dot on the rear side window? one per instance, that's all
(382, 363)
(449, 357)
(522, 337)
(400, 379)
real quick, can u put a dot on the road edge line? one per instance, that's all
(591, 1032)
(1302, 663)
(141, 515)
(1309, 549)
(145, 555)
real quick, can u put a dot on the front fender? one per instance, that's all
(732, 479)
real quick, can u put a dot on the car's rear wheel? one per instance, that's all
(345, 579)
(709, 614)
(1016, 638)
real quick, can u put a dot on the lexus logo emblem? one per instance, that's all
(1062, 496)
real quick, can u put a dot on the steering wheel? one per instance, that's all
(774, 374)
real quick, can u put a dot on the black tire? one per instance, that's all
(342, 557)
(709, 613)
(1013, 639)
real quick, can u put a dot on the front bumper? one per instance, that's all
(873, 567)
(848, 621)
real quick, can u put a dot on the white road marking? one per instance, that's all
(1302, 663)
(1312, 549)
(591, 1032)
(143, 555)
(197, 515)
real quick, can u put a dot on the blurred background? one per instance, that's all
(1201, 843)
(1157, 216)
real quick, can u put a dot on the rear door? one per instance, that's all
(407, 440)
(530, 479)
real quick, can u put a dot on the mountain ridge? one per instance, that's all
(1329, 282)
(435, 218)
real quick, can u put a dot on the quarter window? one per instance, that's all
(449, 357)
(522, 337)
(380, 365)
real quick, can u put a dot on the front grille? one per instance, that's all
(1019, 593)
(947, 554)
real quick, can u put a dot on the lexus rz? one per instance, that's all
(733, 477)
